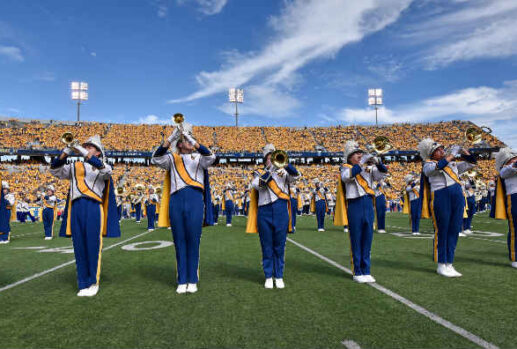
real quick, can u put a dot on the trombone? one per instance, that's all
(380, 145)
(279, 159)
(69, 139)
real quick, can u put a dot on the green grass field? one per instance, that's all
(320, 307)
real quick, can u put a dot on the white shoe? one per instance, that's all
(345, 230)
(514, 264)
(462, 234)
(269, 283)
(416, 233)
(381, 231)
(321, 229)
(279, 283)
(454, 273)
(191, 288)
(150, 230)
(181, 289)
(215, 223)
(359, 279)
(229, 225)
(294, 229)
(443, 270)
(83, 292)
(138, 222)
(368, 278)
(89, 292)
(4, 242)
(468, 232)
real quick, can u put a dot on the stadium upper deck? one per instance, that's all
(15, 134)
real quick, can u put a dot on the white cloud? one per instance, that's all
(207, 7)
(12, 52)
(93, 54)
(153, 119)
(494, 107)
(474, 29)
(304, 31)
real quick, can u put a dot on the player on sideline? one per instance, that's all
(270, 215)
(6, 204)
(188, 201)
(356, 187)
(504, 205)
(49, 211)
(91, 210)
(443, 199)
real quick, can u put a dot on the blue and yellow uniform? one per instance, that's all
(151, 204)
(7, 201)
(319, 205)
(49, 213)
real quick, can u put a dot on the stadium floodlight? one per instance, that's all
(79, 93)
(375, 99)
(236, 95)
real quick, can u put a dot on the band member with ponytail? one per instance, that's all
(355, 185)
(270, 215)
(91, 210)
(443, 199)
(49, 212)
(186, 202)
(504, 205)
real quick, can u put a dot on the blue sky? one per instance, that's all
(300, 62)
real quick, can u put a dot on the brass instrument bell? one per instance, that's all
(67, 138)
(279, 158)
(381, 145)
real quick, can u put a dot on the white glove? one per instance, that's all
(281, 172)
(366, 158)
(68, 151)
(376, 160)
(175, 135)
(189, 138)
(81, 150)
(5, 184)
(455, 150)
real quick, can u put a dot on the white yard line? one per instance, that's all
(433, 317)
(48, 271)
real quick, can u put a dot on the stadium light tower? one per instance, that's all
(236, 96)
(79, 94)
(375, 99)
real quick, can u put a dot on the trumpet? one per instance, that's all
(178, 119)
(140, 187)
(279, 158)
(474, 135)
(158, 190)
(68, 139)
(380, 145)
(120, 190)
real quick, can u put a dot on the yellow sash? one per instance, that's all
(251, 224)
(45, 202)
(406, 209)
(183, 174)
(416, 193)
(299, 202)
(500, 206)
(451, 174)
(426, 198)
(163, 217)
(81, 182)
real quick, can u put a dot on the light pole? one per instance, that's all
(236, 96)
(375, 99)
(79, 94)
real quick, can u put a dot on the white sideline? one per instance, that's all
(37, 275)
(433, 317)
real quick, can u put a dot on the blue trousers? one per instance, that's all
(471, 209)
(151, 216)
(229, 208)
(119, 210)
(380, 210)
(512, 226)
(448, 205)
(216, 213)
(186, 217)
(138, 212)
(320, 213)
(273, 224)
(416, 214)
(48, 221)
(294, 212)
(360, 225)
(85, 224)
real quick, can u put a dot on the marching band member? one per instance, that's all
(294, 206)
(137, 203)
(442, 198)
(228, 194)
(49, 212)
(505, 200)
(90, 212)
(380, 207)
(6, 204)
(217, 205)
(119, 201)
(355, 186)
(412, 203)
(187, 183)
(319, 204)
(151, 204)
(270, 211)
